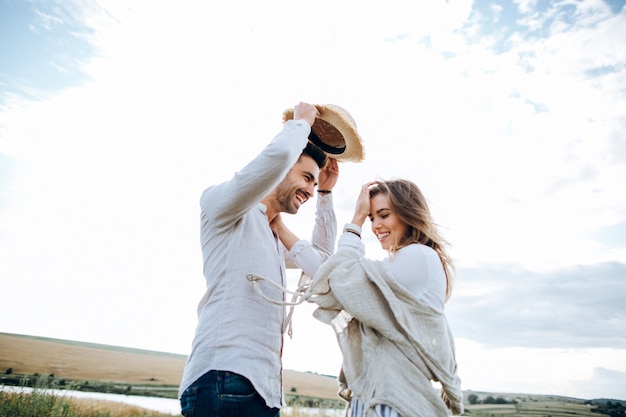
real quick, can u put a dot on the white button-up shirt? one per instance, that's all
(237, 330)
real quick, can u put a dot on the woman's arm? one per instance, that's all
(351, 238)
(362, 208)
(287, 237)
(303, 254)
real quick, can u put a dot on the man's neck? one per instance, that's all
(271, 211)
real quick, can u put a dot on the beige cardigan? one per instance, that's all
(392, 345)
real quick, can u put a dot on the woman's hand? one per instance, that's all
(362, 209)
(277, 224)
(284, 233)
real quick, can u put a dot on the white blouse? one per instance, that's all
(416, 267)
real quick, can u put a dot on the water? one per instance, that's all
(162, 405)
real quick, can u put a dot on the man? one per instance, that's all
(234, 369)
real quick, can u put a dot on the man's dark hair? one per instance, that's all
(315, 152)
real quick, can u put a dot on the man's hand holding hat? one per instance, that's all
(305, 111)
(333, 129)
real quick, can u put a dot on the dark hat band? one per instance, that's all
(324, 146)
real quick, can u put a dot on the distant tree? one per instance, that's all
(489, 400)
(611, 409)
(9, 371)
(473, 399)
(293, 389)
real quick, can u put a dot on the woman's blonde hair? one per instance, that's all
(408, 203)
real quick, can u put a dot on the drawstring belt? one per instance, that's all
(300, 295)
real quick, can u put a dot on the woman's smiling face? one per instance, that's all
(386, 225)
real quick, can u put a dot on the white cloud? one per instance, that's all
(518, 150)
(576, 307)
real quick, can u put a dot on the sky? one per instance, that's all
(509, 115)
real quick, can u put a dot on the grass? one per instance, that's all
(40, 403)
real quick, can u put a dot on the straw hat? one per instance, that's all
(335, 132)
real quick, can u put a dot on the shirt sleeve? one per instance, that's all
(308, 256)
(225, 203)
(325, 229)
(348, 241)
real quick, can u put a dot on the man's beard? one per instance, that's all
(285, 199)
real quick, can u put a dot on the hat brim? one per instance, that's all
(334, 131)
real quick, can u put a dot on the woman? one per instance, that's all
(389, 314)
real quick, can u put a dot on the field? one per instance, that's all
(532, 406)
(93, 363)
(156, 373)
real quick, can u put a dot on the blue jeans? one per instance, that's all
(224, 394)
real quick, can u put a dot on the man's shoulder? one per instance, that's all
(207, 190)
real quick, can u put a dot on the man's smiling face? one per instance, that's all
(298, 186)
